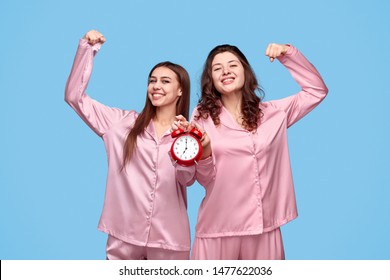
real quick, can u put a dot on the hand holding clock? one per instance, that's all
(182, 123)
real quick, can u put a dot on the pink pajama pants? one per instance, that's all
(117, 249)
(266, 246)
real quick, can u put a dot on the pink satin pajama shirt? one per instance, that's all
(145, 205)
(253, 191)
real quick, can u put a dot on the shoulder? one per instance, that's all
(271, 106)
(131, 114)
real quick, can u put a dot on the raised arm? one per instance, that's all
(96, 115)
(313, 88)
(82, 67)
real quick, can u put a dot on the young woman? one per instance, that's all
(145, 206)
(253, 193)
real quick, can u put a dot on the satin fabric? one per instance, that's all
(145, 204)
(266, 246)
(119, 250)
(253, 191)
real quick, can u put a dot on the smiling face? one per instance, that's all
(227, 73)
(163, 87)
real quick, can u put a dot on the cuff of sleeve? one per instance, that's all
(290, 52)
(206, 161)
(181, 168)
(84, 43)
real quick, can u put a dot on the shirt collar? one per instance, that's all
(228, 120)
(152, 132)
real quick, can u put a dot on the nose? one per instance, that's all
(226, 71)
(156, 85)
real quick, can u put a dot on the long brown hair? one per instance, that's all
(210, 100)
(149, 111)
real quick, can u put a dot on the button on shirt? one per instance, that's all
(253, 190)
(146, 204)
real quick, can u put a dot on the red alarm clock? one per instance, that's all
(186, 149)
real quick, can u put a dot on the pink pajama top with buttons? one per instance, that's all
(147, 204)
(253, 191)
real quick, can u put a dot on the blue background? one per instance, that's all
(53, 167)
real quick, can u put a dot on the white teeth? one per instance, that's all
(227, 80)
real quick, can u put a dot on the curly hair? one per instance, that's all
(210, 101)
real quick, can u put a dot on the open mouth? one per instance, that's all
(157, 94)
(227, 81)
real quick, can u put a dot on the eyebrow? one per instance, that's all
(162, 77)
(233, 60)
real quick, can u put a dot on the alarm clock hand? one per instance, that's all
(185, 148)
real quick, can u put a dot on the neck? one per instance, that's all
(164, 117)
(232, 102)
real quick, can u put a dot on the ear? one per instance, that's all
(180, 92)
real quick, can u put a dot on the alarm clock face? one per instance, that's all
(186, 148)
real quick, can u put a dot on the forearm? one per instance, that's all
(304, 73)
(205, 171)
(206, 151)
(80, 73)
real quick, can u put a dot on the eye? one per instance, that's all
(152, 81)
(166, 81)
(217, 69)
(233, 65)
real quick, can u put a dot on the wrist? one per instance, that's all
(286, 47)
(206, 151)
